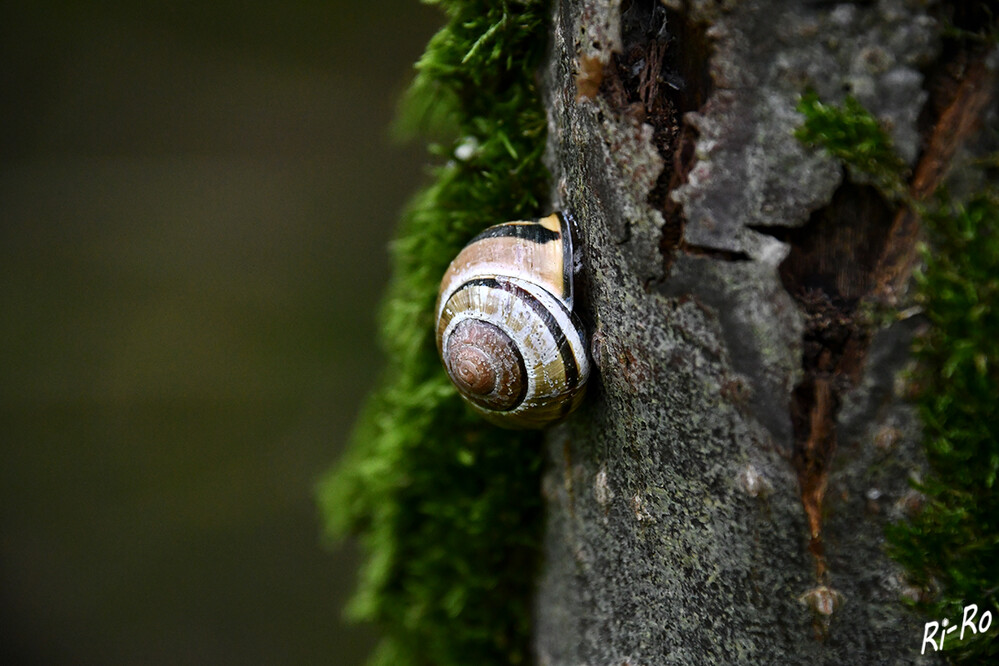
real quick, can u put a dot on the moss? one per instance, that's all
(952, 543)
(852, 134)
(951, 546)
(448, 508)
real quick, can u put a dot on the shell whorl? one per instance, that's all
(505, 328)
(485, 365)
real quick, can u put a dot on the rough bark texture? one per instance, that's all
(722, 495)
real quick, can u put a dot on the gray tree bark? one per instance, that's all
(722, 496)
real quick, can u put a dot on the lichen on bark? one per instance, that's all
(723, 497)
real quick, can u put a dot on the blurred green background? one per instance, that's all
(196, 199)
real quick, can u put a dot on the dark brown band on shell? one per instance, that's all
(485, 365)
(529, 231)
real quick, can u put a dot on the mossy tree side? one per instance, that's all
(446, 507)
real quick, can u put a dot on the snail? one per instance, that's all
(505, 330)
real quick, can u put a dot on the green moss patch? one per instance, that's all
(852, 134)
(447, 508)
(952, 543)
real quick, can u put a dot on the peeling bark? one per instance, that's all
(721, 496)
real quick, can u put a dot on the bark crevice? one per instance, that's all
(661, 74)
(828, 272)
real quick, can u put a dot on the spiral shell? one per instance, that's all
(506, 332)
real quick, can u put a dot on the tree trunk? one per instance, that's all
(723, 494)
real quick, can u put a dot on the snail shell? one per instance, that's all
(505, 327)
